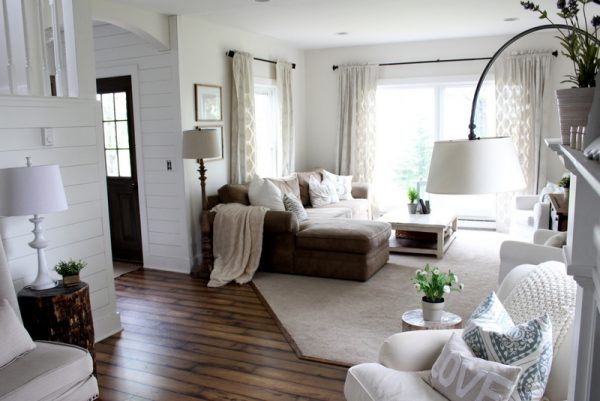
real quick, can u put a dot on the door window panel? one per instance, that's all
(116, 134)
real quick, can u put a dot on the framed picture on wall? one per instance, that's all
(219, 129)
(208, 102)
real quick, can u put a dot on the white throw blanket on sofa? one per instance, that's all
(237, 243)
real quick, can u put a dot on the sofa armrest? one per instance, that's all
(514, 253)
(280, 222)
(413, 351)
(526, 202)
(360, 190)
(541, 215)
(540, 236)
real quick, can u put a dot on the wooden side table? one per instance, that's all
(413, 320)
(61, 314)
(559, 212)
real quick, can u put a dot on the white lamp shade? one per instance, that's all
(202, 144)
(31, 190)
(482, 166)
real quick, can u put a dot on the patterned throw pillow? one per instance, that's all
(491, 335)
(322, 193)
(460, 376)
(343, 184)
(293, 204)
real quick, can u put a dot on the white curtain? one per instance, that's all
(356, 134)
(243, 137)
(521, 79)
(285, 154)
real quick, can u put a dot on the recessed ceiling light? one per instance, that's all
(262, 1)
(511, 19)
(341, 33)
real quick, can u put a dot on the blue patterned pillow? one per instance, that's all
(492, 335)
(292, 204)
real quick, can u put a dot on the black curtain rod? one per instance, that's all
(230, 53)
(452, 60)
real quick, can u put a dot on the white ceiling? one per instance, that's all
(313, 24)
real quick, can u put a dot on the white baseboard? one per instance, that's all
(106, 326)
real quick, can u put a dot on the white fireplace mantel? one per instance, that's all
(582, 258)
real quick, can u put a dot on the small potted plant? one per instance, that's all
(69, 271)
(435, 284)
(565, 183)
(413, 195)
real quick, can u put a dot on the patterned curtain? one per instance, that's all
(356, 135)
(243, 137)
(285, 155)
(521, 79)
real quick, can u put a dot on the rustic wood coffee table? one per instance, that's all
(421, 233)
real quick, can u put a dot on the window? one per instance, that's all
(410, 117)
(265, 104)
(116, 134)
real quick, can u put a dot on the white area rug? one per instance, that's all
(346, 322)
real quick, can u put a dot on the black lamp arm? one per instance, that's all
(501, 49)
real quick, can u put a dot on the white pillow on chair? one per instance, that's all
(15, 339)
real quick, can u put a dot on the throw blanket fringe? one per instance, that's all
(237, 243)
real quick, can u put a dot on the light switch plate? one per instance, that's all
(48, 136)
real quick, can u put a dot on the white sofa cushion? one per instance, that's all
(322, 193)
(49, 372)
(343, 184)
(360, 208)
(460, 376)
(263, 192)
(15, 339)
(374, 382)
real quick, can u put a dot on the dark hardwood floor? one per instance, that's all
(182, 341)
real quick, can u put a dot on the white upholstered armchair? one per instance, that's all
(50, 371)
(406, 358)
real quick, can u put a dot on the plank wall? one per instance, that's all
(158, 138)
(82, 231)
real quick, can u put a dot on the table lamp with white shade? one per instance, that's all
(200, 144)
(33, 190)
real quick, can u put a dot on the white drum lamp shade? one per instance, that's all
(202, 144)
(33, 190)
(482, 166)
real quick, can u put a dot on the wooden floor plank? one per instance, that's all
(183, 341)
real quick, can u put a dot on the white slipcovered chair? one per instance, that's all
(532, 212)
(406, 358)
(514, 253)
(51, 371)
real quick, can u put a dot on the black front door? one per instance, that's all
(121, 175)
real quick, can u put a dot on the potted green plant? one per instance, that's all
(565, 184)
(69, 270)
(574, 103)
(435, 284)
(413, 195)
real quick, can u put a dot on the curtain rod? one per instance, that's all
(230, 53)
(452, 60)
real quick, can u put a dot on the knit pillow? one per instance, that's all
(293, 204)
(528, 345)
(15, 339)
(546, 289)
(322, 193)
(342, 183)
(460, 376)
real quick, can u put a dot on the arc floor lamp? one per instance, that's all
(481, 165)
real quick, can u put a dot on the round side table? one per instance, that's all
(413, 320)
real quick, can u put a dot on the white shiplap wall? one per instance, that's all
(158, 139)
(82, 231)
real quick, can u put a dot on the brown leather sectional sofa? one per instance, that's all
(337, 241)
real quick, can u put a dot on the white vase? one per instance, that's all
(432, 311)
(574, 106)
